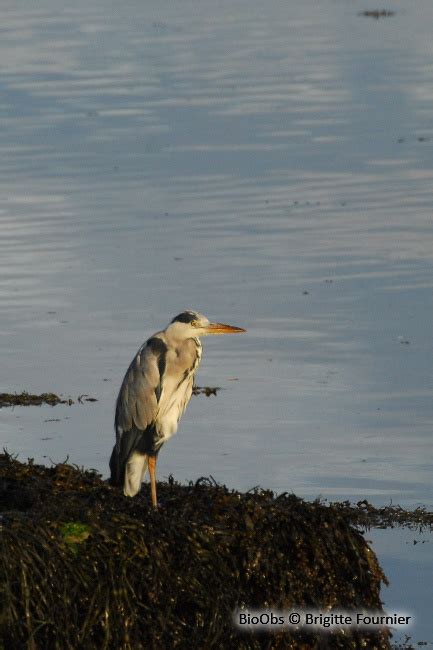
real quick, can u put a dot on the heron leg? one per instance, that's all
(152, 474)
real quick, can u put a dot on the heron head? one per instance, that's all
(193, 324)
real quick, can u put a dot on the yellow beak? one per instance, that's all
(222, 328)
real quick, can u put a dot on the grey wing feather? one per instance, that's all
(137, 406)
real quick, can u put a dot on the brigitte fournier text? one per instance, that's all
(317, 620)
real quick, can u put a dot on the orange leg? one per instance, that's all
(152, 474)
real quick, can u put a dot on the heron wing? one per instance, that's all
(137, 405)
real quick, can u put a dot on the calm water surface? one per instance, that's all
(267, 164)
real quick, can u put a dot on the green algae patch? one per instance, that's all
(173, 577)
(74, 533)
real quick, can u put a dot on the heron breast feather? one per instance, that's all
(173, 402)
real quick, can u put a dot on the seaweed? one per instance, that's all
(377, 13)
(27, 399)
(82, 566)
(205, 390)
(367, 516)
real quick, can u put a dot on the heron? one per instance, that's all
(153, 396)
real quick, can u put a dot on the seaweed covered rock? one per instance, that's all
(82, 566)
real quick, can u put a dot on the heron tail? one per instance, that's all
(126, 443)
(117, 469)
(135, 470)
(129, 473)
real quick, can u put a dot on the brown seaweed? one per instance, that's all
(27, 399)
(82, 566)
(377, 13)
(205, 390)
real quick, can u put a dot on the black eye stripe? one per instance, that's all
(185, 317)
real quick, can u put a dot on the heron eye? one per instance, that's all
(194, 323)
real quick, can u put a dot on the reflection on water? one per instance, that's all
(269, 165)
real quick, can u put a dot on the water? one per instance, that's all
(267, 164)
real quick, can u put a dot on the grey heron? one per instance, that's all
(154, 394)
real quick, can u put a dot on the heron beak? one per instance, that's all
(222, 328)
